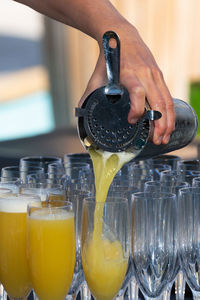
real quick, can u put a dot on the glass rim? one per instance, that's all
(156, 195)
(115, 200)
(16, 168)
(17, 196)
(77, 165)
(40, 185)
(47, 204)
(40, 158)
(195, 189)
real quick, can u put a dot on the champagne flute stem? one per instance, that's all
(85, 292)
(133, 288)
(167, 292)
(180, 286)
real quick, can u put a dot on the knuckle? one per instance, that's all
(170, 106)
(139, 91)
(146, 71)
(156, 72)
(160, 127)
(137, 109)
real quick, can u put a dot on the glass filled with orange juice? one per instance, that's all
(105, 245)
(51, 249)
(14, 271)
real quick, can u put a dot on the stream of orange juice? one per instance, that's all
(103, 260)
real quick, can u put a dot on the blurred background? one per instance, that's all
(45, 67)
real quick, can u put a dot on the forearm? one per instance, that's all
(92, 17)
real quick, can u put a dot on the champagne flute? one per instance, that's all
(105, 245)
(189, 237)
(154, 246)
(14, 269)
(51, 248)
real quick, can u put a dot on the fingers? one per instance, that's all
(156, 102)
(137, 98)
(148, 83)
(169, 105)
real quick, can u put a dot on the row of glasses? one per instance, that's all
(43, 187)
(154, 247)
(50, 247)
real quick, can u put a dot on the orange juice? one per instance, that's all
(51, 250)
(14, 272)
(104, 267)
(104, 263)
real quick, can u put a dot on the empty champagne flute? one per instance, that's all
(7, 173)
(189, 236)
(171, 160)
(105, 245)
(196, 182)
(38, 161)
(154, 241)
(73, 158)
(185, 165)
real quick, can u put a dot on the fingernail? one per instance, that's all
(133, 120)
(158, 140)
(166, 139)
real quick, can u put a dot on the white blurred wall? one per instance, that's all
(18, 20)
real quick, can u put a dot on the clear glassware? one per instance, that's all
(73, 158)
(171, 160)
(78, 176)
(161, 186)
(55, 171)
(78, 283)
(196, 182)
(189, 237)
(170, 186)
(185, 165)
(170, 176)
(8, 173)
(137, 176)
(42, 189)
(154, 241)
(14, 269)
(158, 168)
(38, 161)
(189, 175)
(105, 245)
(13, 184)
(51, 248)
(127, 169)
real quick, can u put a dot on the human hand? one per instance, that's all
(140, 74)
